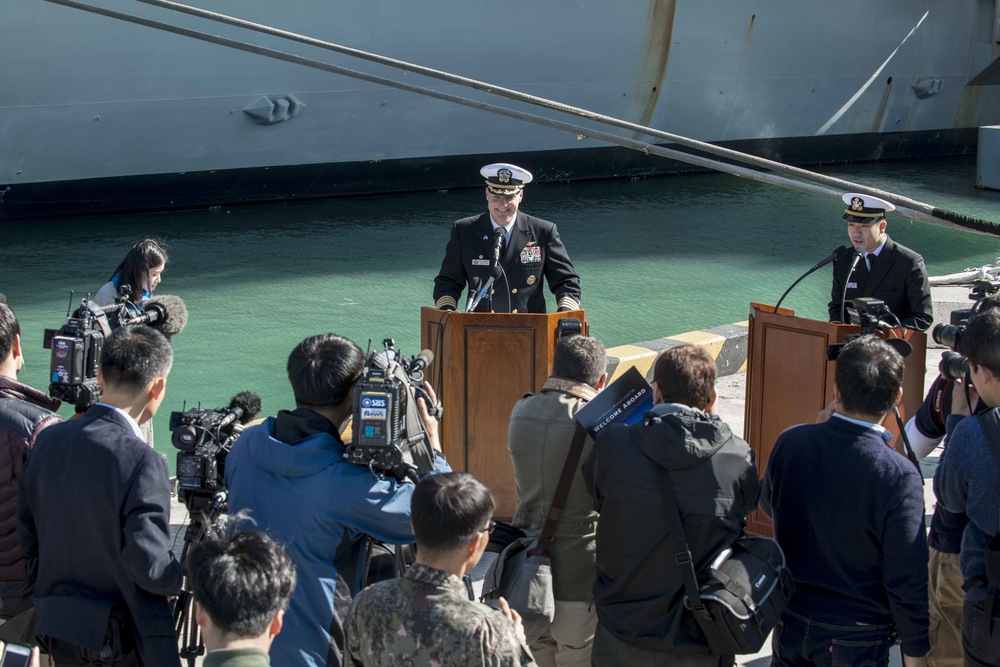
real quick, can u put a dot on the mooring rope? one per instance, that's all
(905, 206)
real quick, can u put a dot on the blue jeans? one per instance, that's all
(799, 641)
(980, 637)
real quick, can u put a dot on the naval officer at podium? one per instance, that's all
(504, 253)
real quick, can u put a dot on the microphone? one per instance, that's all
(244, 406)
(422, 361)
(498, 238)
(483, 292)
(166, 312)
(858, 254)
(469, 305)
(829, 258)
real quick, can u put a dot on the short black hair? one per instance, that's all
(686, 375)
(9, 327)
(447, 510)
(580, 358)
(242, 580)
(134, 356)
(145, 255)
(868, 376)
(980, 341)
(323, 368)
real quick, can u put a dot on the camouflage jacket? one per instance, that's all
(426, 618)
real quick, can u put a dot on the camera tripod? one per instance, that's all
(205, 517)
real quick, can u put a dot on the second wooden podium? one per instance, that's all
(483, 363)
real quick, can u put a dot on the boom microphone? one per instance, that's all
(244, 406)
(165, 312)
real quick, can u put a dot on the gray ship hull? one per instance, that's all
(97, 115)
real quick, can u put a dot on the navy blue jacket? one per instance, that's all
(849, 513)
(93, 514)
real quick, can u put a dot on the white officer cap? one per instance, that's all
(505, 179)
(865, 206)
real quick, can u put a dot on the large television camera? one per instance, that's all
(953, 365)
(204, 438)
(77, 345)
(388, 434)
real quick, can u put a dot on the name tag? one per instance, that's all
(480, 262)
(849, 285)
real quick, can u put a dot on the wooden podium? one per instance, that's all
(483, 363)
(790, 380)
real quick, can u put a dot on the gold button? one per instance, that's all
(514, 311)
(514, 291)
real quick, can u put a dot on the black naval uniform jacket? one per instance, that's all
(534, 250)
(899, 279)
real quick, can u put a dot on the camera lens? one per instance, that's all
(947, 334)
(953, 365)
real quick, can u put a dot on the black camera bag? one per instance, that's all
(741, 594)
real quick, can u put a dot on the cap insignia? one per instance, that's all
(858, 204)
(504, 175)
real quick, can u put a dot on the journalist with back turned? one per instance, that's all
(290, 473)
(93, 515)
(639, 592)
(538, 439)
(242, 583)
(24, 413)
(848, 511)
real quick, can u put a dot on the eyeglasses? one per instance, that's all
(488, 529)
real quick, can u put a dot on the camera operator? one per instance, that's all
(291, 474)
(24, 412)
(93, 515)
(242, 584)
(968, 480)
(926, 430)
(140, 271)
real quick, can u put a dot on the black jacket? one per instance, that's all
(640, 589)
(93, 514)
(899, 279)
(535, 250)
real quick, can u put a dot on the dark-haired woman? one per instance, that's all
(140, 271)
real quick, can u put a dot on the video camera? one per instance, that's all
(953, 365)
(388, 434)
(204, 438)
(872, 316)
(77, 345)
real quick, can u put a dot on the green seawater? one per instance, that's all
(656, 257)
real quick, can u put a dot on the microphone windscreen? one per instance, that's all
(249, 403)
(176, 314)
(427, 356)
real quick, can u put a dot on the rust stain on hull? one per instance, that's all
(659, 34)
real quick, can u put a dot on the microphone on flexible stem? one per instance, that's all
(469, 304)
(829, 258)
(498, 238)
(858, 254)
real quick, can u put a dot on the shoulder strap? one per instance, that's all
(682, 554)
(562, 490)
(989, 421)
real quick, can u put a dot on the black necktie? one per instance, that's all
(871, 261)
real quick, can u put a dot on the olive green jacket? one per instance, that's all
(540, 433)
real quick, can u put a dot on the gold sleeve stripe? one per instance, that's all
(446, 302)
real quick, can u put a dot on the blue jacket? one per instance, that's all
(319, 507)
(968, 480)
